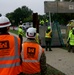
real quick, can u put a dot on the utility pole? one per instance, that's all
(36, 21)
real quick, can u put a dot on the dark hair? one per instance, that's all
(48, 30)
(3, 30)
(31, 38)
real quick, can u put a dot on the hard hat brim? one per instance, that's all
(5, 25)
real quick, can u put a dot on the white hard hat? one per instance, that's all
(31, 32)
(4, 22)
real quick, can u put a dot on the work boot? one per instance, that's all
(50, 49)
(69, 50)
(73, 49)
(46, 49)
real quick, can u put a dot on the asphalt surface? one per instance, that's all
(60, 59)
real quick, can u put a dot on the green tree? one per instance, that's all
(22, 14)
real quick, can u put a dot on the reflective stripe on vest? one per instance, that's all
(39, 55)
(11, 57)
(9, 65)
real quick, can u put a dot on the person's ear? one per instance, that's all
(8, 28)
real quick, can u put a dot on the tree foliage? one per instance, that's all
(23, 14)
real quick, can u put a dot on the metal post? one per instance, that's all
(36, 21)
(50, 19)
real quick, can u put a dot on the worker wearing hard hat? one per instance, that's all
(9, 50)
(48, 37)
(33, 56)
(71, 41)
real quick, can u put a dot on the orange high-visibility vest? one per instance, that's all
(9, 55)
(31, 53)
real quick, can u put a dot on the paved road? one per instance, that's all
(60, 59)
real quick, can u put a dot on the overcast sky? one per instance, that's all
(7, 6)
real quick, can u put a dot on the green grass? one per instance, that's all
(53, 71)
(14, 31)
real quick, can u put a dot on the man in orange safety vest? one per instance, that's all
(9, 50)
(33, 55)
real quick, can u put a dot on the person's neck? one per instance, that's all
(4, 33)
